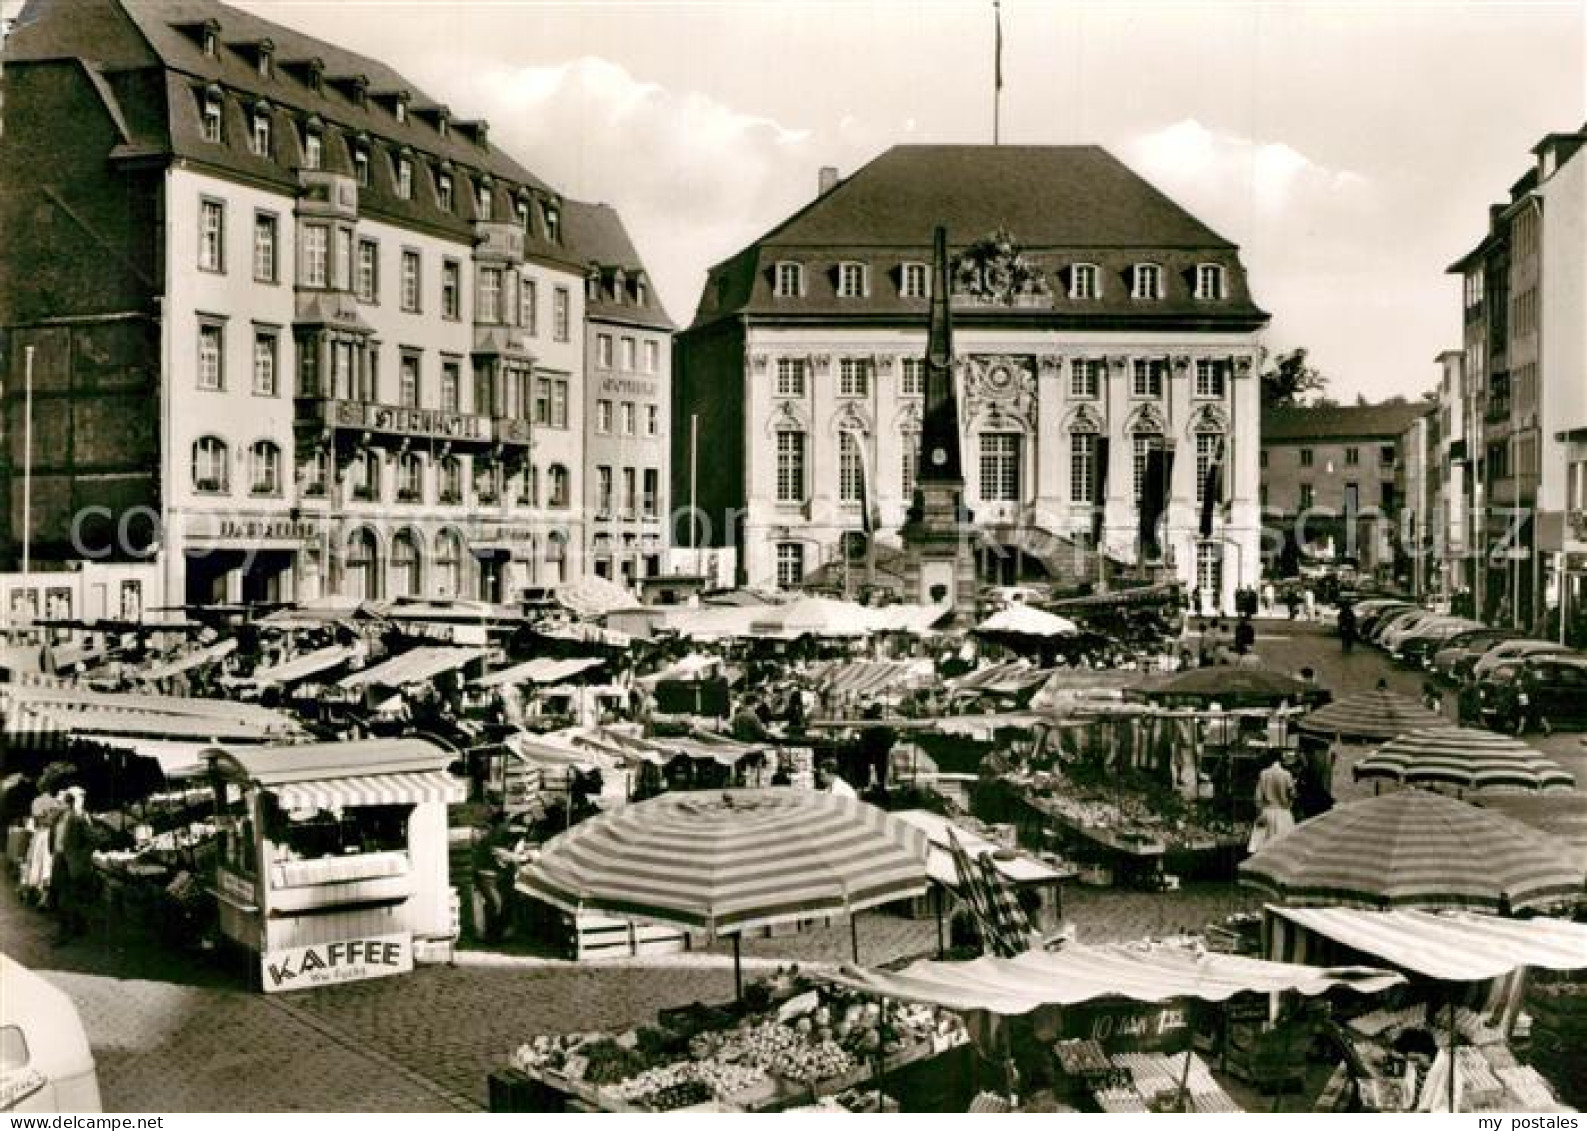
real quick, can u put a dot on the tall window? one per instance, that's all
(211, 354)
(314, 473)
(259, 139)
(1085, 377)
(1084, 281)
(451, 381)
(553, 222)
(1210, 377)
(362, 565)
(603, 417)
(912, 377)
(911, 461)
(851, 469)
(790, 377)
(443, 191)
(485, 390)
(1209, 281)
(487, 479)
(790, 466)
(264, 468)
(1082, 467)
(1352, 457)
(1144, 444)
(316, 255)
(450, 483)
(652, 420)
(449, 564)
(406, 568)
(211, 235)
(854, 377)
(630, 492)
(485, 201)
(603, 350)
(560, 302)
(410, 478)
(408, 381)
(629, 418)
(1148, 373)
(558, 487)
(1308, 495)
(652, 494)
(264, 363)
(790, 280)
(851, 280)
(410, 281)
(361, 167)
(313, 150)
(342, 261)
(366, 477)
(488, 306)
(1208, 445)
(404, 178)
(264, 247)
(451, 288)
(210, 466)
(790, 564)
(627, 355)
(529, 308)
(368, 270)
(652, 357)
(1000, 467)
(913, 280)
(1209, 569)
(1307, 457)
(212, 118)
(1148, 281)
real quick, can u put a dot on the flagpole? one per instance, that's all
(997, 72)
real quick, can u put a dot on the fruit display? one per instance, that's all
(1129, 816)
(812, 1041)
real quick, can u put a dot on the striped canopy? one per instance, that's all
(1415, 849)
(1372, 716)
(729, 861)
(1464, 757)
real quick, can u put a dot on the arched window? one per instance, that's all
(556, 556)
(560, 488)
(451, 480)
(210, 466)
(314, 473)
(361, 568)
(407, 577)
(448, 564)
(410, 478)
(264, 468)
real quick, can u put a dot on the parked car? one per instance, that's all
(1395, 638)
(1417, 647)
(1369, 613)
(1405, 618)
(1512, 650)
(1550, 688)
(45, 1060)
(1454, 658)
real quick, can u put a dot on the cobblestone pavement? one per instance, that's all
(174, 1032)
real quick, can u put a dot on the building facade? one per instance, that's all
(627, 402)
(1419, 490)
(1095, 321)
(1452, 534)
(1526, 371)
(1332, 483)
(295, 329)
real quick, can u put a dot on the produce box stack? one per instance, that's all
(815, 1043)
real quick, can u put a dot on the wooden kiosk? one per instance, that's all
(333, 858)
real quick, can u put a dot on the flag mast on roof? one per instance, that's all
(997, 69)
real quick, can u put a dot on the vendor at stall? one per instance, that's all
(1275, 800)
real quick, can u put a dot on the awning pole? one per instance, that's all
(738, 968)
(941, 950)
(854, 935)
(1451, 1052)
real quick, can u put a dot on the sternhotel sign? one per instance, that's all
(410, 421)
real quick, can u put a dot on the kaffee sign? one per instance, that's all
(330, 963)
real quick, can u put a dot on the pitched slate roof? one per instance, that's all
(120, 36)
(594, 235)
(1061, 204)
(1319, 422)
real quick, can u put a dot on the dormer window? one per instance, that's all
(553, 224)
(592, 286)
(521, 209)
(485, 200)
(1209, 281)
(211, 39)
(443, 190)
(639, 290)
(315, 74)
(790, 280)
(313, 150)
(264, 59)
(619, 285)
(1085, 281)
(212, 116)
(400, 110)
(259, 140)
(1148, 282)
(851, 280)
(405, 178)
(913, 281)
(361, 166)
(443, 124)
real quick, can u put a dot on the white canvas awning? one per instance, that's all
(541, 669)
(416, 666)
(189, 661)
(300, 667)
(372, 789)
(1448, 946)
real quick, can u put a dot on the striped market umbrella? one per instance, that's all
(729, 861)
(1414, 849)
(1466, 758)
(1372, 716)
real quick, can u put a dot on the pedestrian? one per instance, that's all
(1275, 800)
(496, 842)
(1292, 603)
(1311, 603)
(1268, 597)
(72, 880)
(1468, 702)
(1347, 627)
(1244, 636)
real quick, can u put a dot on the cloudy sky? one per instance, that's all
(1350, 149)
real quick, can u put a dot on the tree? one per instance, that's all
(1289, 380)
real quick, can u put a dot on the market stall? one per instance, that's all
(333, 858)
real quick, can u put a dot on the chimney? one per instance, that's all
(827, 180)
